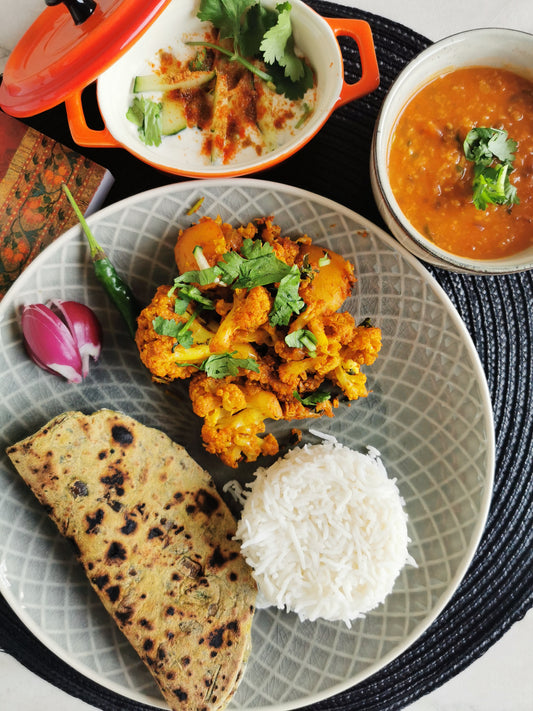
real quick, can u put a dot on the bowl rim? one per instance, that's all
(391, 212)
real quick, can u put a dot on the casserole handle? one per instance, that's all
(81, 133)
(360, 32)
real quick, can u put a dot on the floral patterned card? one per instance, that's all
(33, 208)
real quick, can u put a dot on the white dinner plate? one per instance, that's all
(428, 413)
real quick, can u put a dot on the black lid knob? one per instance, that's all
(80, 10)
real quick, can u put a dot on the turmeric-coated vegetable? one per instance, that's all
(253, 318)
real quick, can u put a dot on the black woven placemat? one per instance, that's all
(497, 589)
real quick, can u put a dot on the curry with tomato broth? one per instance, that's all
(431, 178)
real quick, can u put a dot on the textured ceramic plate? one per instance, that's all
(428, 413)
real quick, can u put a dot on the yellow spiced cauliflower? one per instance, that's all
(253, 320)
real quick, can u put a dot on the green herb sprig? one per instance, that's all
(220, 365)
(287, 300)
(146, 115)
(302, 338)
(256, 265)
(314, 399)
(178, 330)
(189, 293)
(259, 33)
(493, 155)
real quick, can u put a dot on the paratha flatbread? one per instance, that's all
(156, 541)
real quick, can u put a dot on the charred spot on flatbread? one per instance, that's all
(129, 527)
(94, 520)
(115, 481)
(122, 435)
(100, 581)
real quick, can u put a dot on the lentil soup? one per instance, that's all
(431, 178)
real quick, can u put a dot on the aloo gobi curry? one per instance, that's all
(253, 320)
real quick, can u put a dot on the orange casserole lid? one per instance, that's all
(56, 56)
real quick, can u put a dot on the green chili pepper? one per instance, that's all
(119, 292)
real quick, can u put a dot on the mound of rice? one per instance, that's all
(325, 532)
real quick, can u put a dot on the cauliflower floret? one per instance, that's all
(350, 379)
(160, 354)
(364, 346)
(361, 349)
(339, 326)
(285, 248)
(248, 313)
(293, 409)
(234, 416)
(302, 365)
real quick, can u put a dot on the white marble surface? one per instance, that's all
(501, 679)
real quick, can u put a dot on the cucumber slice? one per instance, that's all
(265, 114)
(173, 118)
(219, 123)
(156, 82)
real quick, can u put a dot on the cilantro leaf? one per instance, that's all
(491, 185)
(258, 267)
(185, 338)
(146, 115)
(313, 399)
(262, 33)
(203, 277)
(192, 293)
(230, 267)
(168, 327)
(225, 15)
(285, 85)
(178, 330)
(485, 147)
(261, 272)
(219, 365)
(302, 338)
(277, 45)
(257, 21)
(135, 112)
(181, 305)
(287, 300)
(255, 248)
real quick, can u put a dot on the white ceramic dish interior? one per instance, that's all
(181, 154)
(428, 413)
(509, 49)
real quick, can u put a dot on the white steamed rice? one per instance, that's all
(325, 532)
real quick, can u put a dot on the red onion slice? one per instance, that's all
(85, 329)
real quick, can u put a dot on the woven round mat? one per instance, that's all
(498, 312)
